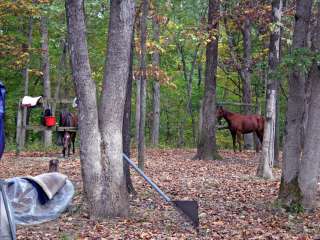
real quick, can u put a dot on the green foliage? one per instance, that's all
(299, 60)
(295, 208)
(182, 23)
(65, 236)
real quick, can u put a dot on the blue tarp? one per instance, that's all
(2, 111)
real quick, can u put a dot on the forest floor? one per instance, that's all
(234, 204)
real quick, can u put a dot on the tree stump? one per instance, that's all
(54, 165)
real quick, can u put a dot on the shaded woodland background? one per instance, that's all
(173, 66)
(181, 45)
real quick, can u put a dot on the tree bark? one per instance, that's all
(277, 134)
(114, 94)
(267, 156)
(138, 106)
(45, 66)
(310, 160)
(90, 138)
(207, 144)
(289, 188)
(246, 76)
(143, 83)
(126, 130)
(101, 132)
(156, 85)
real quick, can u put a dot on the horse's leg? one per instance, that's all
(260, 136)
(73, 151)
(73, 140)
(233, 134)
(69, 147)
(239, 140)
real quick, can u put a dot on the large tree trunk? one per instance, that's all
(138, 105)
(126, 133)
(90, 139)
(156, 85)
(143, 82)
(310, 161)
(47, 134)
(101, 140)
(277, 134)
(207, 143)
(114, 94)
(267, 156)
(289, 188)
(246, 77)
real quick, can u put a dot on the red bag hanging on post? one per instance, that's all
(50, 121)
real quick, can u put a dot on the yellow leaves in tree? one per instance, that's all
(156, 73)
(35, 72)
(152, 46)
(261, 54)
(18, 8)
(21, 59)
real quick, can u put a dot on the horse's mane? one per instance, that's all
(226, 111)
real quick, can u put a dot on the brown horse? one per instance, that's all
(240, 124)
(68, 119)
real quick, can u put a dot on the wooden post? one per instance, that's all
(19, 129)
(46, 133)
(23, 133)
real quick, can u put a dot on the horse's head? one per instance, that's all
(219, 113)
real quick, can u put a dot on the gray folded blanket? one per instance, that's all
(39, 199)
(50, 183)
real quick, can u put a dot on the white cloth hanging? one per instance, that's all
(28, 101)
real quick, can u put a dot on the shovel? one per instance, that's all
(188, 208)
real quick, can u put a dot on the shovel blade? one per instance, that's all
(190, 209)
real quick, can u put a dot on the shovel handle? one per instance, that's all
(153, 185)
(7, 208)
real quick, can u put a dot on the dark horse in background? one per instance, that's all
(241, 124)
(67, 119)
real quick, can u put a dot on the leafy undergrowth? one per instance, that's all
(234, 204)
